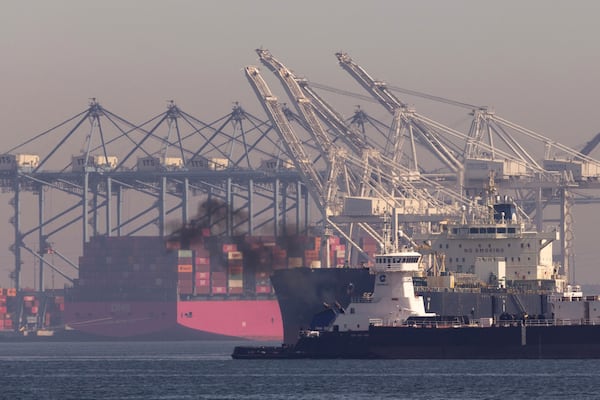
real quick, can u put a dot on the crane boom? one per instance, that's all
(386, 98)
(591, 145)
(302, 103)
(377, 89)
(293, 145)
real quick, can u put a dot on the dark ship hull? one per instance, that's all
(304, 292)
(513, 341)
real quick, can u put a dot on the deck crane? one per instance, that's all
(380, 92)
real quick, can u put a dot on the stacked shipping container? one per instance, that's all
(124, 268)
(6, 296)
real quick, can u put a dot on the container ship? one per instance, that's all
(392, 322)
(210, 287)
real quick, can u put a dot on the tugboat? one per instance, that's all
(392, 323)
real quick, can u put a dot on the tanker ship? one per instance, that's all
(143, 288)
(392, 322)
(481, 268)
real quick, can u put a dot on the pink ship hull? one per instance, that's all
(249, 319)
(197, 319)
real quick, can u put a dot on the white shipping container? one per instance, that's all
(20, 161)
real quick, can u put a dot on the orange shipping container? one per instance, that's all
(11, 292)
(184, 268)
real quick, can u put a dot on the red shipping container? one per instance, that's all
(202, 275)
(202, 282)
(185, 289)
(202, 268)
(236, 290)
(263, 289)
(219, 275)
(219, 289)
(202, 289)
(202, 261)
(34, 310)
(3, 310)
(229, 247)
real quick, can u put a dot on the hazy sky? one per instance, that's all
(535, 62)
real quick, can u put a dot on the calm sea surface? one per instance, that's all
(204, 370)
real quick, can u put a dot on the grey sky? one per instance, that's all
(535, 62)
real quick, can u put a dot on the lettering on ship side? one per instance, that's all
(120, 307)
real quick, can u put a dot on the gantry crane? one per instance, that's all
(378, 174)
(369, 158)
(403, 115)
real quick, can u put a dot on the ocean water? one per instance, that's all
(205, 370)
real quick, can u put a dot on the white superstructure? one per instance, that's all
(393, 299)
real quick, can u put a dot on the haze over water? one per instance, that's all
(534, 62)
